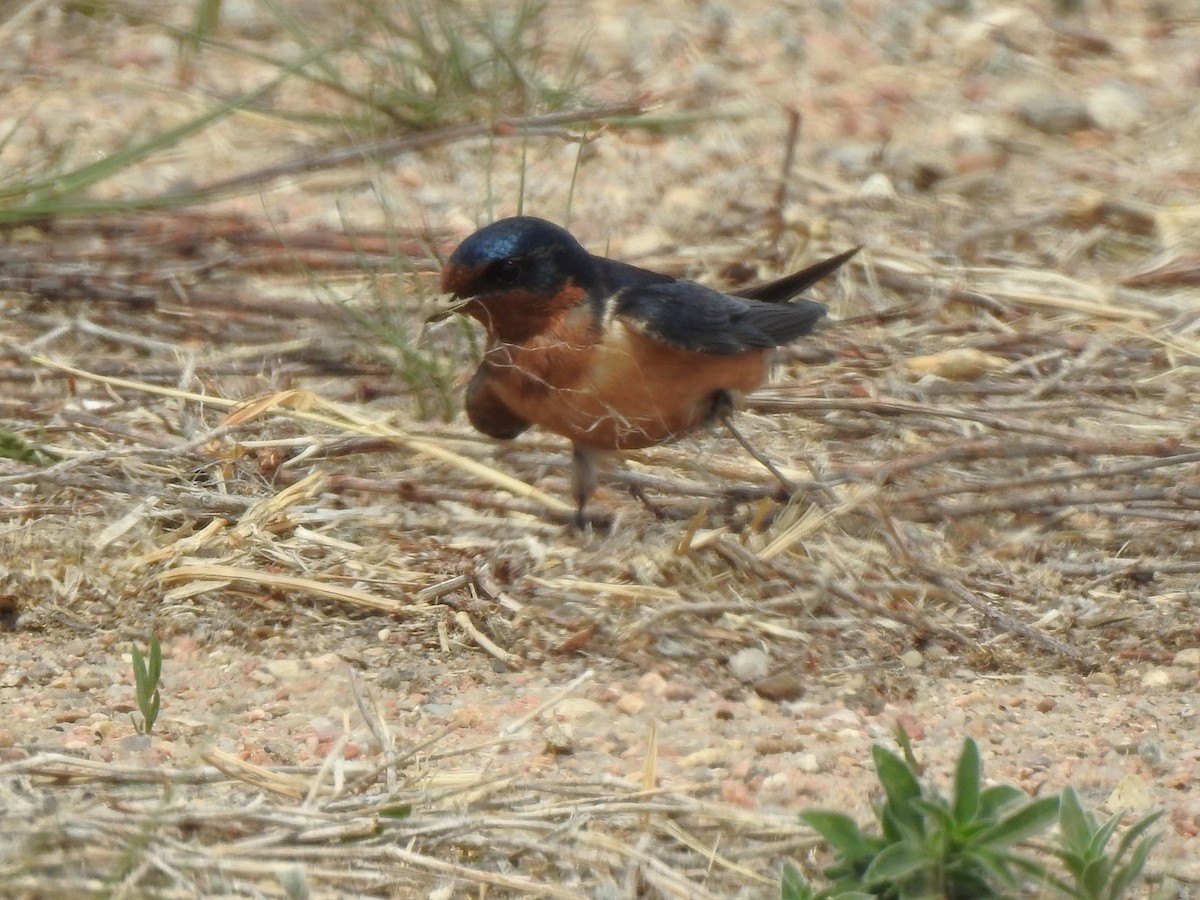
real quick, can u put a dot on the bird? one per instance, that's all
(607, 354)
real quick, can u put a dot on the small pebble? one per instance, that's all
(1116, 106)
(749, 665)
(576, 709)
(1053, 113)
(912, 659)
(1188, 658)
(1151, 752)
(780, 687)
(680, 690)
(652, 683)
(1131, 793)
(709, 757)
(283, 668)
(807, 763)
(631, 704)
(1183, 676)
(560, 739)
(1159, 676)
(877, 187)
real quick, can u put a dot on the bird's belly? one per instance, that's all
(622, 393)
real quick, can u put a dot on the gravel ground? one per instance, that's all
(978, 156)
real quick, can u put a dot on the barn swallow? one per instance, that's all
(607, 354)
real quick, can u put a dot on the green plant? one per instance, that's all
(13, 446)
(146, 674)
(411, 66)
(408, 66)
(931, 846)
(1082, 840)
(967, 846)
(60, 189)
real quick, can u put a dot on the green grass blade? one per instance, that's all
(793, 885)
(60, 194)
(1021, 824)
(1074, 824)
(967, 778)
(841, 833)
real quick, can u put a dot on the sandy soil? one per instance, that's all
(1026, 308)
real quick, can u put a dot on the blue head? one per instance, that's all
(520, 257)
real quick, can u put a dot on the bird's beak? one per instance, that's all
(456, 280)
(455, 306)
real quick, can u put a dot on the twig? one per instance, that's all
(1074, 477)
(777, 216)
(466, 624)
(506, 126)
(571, 687)
(1127, 566)
(903, 552)
(1123, 501)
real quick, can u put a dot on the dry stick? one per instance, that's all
(523, 886)
(1076, 390)
(778, 220)
(742, 558)
(762, 459)
(1008, 623)
(701, 609)
(466, 624)
(335, 417)
(517, 724)
(368, 708)
(1072, 477)
(1121, 567)
(903, 552)
(1152, 515)
(738, 492)
(796, 576)
(1000, 449)
(204, 574)
(77, 770)
(1053, 501)
(504, 126)
(1111, 575)
(769, 401)
(412, 492)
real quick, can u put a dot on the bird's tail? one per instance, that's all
(783, 289)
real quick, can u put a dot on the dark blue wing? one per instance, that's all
(692, 317)
(614, 276)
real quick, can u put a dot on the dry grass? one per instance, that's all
(1036, 511)
(996, 452)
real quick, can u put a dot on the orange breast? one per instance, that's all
(622, 392)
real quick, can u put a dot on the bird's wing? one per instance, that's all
(692, 317)
(615, 275)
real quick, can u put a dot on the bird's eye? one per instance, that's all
(507, 271)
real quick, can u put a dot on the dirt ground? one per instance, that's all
(389, 667)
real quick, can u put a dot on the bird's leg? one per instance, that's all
(583, 481)
(723, 409)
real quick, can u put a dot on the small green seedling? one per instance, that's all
(146, 674)
(1096, 875)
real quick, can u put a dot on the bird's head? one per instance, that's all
(515, 272)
